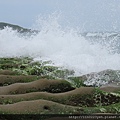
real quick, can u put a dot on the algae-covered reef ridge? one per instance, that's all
(29, 87)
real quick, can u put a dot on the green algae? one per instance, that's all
(27, 66)
(77, 82)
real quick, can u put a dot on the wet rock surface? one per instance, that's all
(28, 87)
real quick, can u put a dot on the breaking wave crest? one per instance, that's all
(64, 46)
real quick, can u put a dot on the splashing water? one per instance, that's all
(63, 46)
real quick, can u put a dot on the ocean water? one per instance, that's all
(64, 46)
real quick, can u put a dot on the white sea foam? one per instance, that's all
(63, 46)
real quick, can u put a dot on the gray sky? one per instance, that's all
(89, 15)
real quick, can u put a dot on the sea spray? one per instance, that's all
(64, 46)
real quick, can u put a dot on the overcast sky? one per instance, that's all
(89, 15)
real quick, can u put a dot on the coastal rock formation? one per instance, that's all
(28, 87)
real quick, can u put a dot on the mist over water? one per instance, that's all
(64, 46)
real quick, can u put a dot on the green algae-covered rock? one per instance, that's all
(104, 98)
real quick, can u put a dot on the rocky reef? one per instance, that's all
(29, 87)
